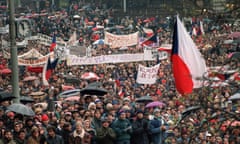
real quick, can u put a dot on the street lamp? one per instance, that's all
(14, 57)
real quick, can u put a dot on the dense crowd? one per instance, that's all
(114, 118)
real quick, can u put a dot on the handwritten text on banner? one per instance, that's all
(147, 75)
(117, 41)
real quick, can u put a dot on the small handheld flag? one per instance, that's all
(48, 69)
(53, 44)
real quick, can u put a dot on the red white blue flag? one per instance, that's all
(187, 63)
(48, 69)
(53, 44)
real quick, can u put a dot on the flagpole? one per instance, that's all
(14, 56)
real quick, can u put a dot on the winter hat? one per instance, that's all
(121, 112)
(125, 107)
(109, 106)
(45, 117)
(126, 99)
(104, 120)
(10, 114)
(156, 110)
(91, 104)
(68, 113)
(139, 111)
(114, 102)
(97, 101)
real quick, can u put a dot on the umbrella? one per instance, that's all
(72, 98)
(228, 41)
(90, 75)
(236, 96)
(5, 71)
(67, 87)
(69, 93)
(38, 95)
(26, 99)
(21, 109)
(30, 78)
(190, 109)
(235, 55)
(90, 23)
(231, 123)
(155, 104)
(5, 96)
(99, 42)
(144, 99)
(234, 35)
(76, 16)
(93, 90)
(43, 105)
(72, 80)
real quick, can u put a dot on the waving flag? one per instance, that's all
(48, 69)
(153, 39)
(53, 44)
(73, 39)
(187, 64)
(148, 31)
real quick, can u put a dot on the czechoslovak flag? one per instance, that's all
(187, 63)
(48, 69)
(53, 44)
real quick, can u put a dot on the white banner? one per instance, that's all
(47, 40)
(117, 41)
(31, 58)
(34, 62)
(4, 30)
(118, 58)
(154, 53)
(33, 53)
(147, 75)
(163, 55)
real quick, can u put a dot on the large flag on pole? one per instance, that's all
(187, 63)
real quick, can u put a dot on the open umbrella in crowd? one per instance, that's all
(103, 103)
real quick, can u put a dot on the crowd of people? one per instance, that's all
(116, 118)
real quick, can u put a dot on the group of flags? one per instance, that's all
(188, 65)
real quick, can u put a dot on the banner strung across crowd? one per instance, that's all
(147, 75)
(47, 40)
(117, 41)
(34, 62)
(118, 58)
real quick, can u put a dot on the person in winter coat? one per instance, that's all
(96, 122)
(67, 129)
(79, 136)
(34, 138)
(140, 128)
(123, 129)
(105, 134)
(157, 128)
(8, 138)
(52, 137)
(21, 138)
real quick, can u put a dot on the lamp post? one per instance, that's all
(14, 57)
